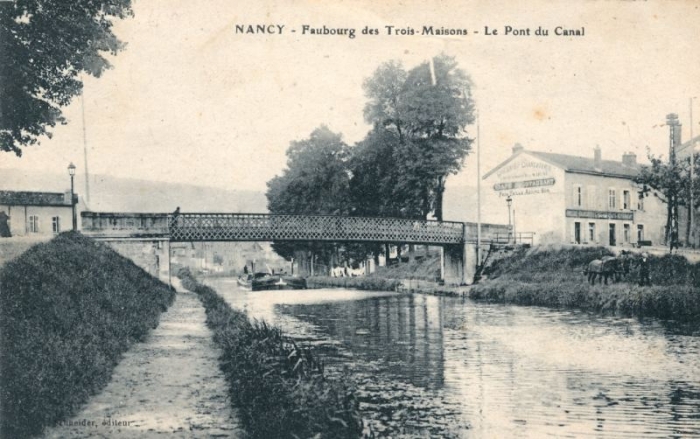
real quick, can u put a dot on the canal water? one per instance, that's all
(430, 366)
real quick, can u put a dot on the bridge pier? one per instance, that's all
(458, 264)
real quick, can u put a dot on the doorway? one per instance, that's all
(613, 241)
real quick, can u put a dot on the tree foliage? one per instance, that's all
(670, 183)
(45, 45)
(315, 182)
(316, 178)
(426, 122)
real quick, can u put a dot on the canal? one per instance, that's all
(430, 366)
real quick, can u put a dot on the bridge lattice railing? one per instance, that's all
(265, 227)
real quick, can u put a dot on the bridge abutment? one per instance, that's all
(152, 256)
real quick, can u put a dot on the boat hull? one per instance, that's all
(279, 283)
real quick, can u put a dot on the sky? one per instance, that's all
(191, 101)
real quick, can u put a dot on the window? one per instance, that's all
(626, 200)
(612, 235)
(626, 233)
(33, 224)
(577, 232)
(640, 201)
(611, 198)
(578, 196)
(640, 232)
(56, 224)
(591, 232)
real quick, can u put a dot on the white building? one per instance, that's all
(36, 214)
(570, 199)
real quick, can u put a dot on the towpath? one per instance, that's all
(168, 386)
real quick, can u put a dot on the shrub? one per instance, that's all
(68, 309)
(279, 389)
(680, 302)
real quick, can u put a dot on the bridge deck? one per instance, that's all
(267, 227)
(264, 227)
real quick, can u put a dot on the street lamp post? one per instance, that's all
(509, 200)
(71, 172)
(691, 229)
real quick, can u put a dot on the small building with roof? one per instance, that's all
(573, 200)
(36, 214)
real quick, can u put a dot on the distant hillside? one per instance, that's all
(119, 194)
(109, 193)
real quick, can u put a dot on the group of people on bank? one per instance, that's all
(615, 267)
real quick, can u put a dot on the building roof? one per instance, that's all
(576, 164)
(684, 150)
(22, 198)
(586, 165)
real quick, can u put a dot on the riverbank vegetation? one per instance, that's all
(555, 278)
(69, 308)
(278, 388)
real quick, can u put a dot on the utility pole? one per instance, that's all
(672, 209)
(478, 194)
(691, 206)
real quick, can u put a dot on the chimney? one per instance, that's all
(597, 157)
(629, 159)
(517, 148)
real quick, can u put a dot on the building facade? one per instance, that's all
(36, 214)
(573, 200)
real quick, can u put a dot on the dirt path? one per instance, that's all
(168, 386)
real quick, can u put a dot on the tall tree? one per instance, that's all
(315, 182)
(373, 170)
(385, 92)
(429, 119)
(670, 183)
(45, 45)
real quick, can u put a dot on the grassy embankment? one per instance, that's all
(279, 389)
(554, 278)
(68, 309)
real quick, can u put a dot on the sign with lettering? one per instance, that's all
(524, 184)
(524, 168)
(595, 214)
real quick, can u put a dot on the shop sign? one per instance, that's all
(524, 184)
(596, 214)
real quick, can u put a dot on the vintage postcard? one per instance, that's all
(470, 219)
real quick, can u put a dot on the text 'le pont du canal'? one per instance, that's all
(351, 32)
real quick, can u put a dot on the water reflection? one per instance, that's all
(428, 366)
(411, 326)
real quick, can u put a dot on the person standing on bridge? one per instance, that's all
(176, 215)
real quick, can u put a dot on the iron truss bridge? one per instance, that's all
(266, 227)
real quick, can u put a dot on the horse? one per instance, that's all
(605, 268)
